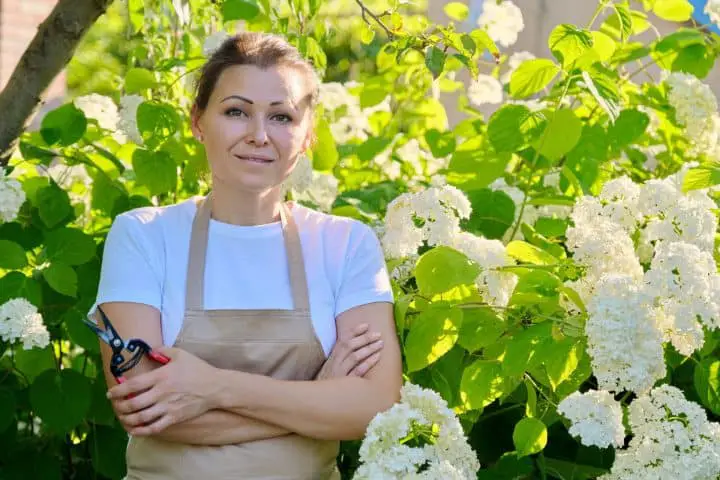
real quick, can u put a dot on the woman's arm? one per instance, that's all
(135, 320)
(338, 408)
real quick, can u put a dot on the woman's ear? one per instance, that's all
(195, 115)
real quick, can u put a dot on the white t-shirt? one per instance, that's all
(146, 257)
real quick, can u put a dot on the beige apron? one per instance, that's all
(278, 343)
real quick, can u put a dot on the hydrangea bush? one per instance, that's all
(554, 262)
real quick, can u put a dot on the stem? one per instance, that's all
(540, 390)
(366, 11)
(601, 6)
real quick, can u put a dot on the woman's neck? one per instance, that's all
(239, 207)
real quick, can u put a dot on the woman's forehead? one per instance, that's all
(277, 84)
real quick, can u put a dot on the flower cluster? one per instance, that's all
(712, 9)
(99, 108)
(445, 455)
(503, 21)
(12, 196)
(672, 438)
(596, 418)
(696, 109)
(128, 117)
(20, 320)
(634, 311)
(432, 215)
(348, 120)
(485, 89)
(422, 161)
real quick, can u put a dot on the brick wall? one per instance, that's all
(19, 20)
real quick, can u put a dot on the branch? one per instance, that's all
(366, 11)
(48, 53)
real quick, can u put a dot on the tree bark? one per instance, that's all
(46, 56)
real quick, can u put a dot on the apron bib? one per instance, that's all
(278, 343)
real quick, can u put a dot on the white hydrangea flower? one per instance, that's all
(515, 60)
(672, 439)
(100, 108)
(323, 190)
(696, 109)
(485, 89)
(684, 281)
(12, 197)
(383, 457)
(596, 418)
(496, 286)
(533, 105)
(624, 341)
(712, 9)
(213, 42)
(20, 320)
(438, 208)
(503, 22)
(333, 95)
(128, 117)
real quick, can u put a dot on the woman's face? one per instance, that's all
(256, 123)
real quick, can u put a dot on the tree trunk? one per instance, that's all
(46, 56)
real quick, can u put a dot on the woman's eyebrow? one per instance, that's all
(247, 100)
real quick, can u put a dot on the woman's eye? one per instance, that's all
(281, 117)
(234, 112)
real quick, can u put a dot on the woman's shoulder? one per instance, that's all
(156, 219)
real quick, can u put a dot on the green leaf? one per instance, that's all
(529, 436)
(138, 80)
(35, 361)
(480, 327)
(628, 127)
(561, 134)
(513, 127)
(156, 170)
(435, 60)
(61, 399)
(603, 96)
(53, 205)
(574, 470)
(63, 126)
(8, 404)
(493, 212)
(239, 10)
(537, 288)
(12, 256)
(367, 34)
(69, 246)
(62, 278)
(441, 144)
(107, 451)
(673, 10)
(484, 42)
(456, 11)
(561, 359)
(623, 20)
(325, 154)
(703, 176)
(707, 383)
(374, 91)
(522, 351)
(105, 193)
(443, 268)
(568, 43)
(528, 253)
(475, 164)
(156, 122)
(432, 334)
(603, 45)
(482, 382)
(532, 76)
(15, 284)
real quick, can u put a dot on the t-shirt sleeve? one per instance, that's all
(364, 278)
(131, 269)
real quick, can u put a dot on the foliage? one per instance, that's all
(501, 329)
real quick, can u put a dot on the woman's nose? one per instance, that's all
(257, 133)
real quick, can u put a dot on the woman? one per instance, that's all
(252, 294)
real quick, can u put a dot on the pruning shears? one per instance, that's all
(137, 348)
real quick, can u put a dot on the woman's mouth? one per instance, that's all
(254, 159)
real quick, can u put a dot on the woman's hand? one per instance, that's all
(179, 391)
(353, 356)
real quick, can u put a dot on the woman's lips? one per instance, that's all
(254, 159)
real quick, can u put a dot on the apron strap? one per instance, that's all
(195, 280)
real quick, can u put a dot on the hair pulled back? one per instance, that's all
(262, 50)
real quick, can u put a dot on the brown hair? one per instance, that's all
(253, 48)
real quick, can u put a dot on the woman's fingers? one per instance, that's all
(143, 417)
(357, 357)
(137, 403)
(365, 366)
